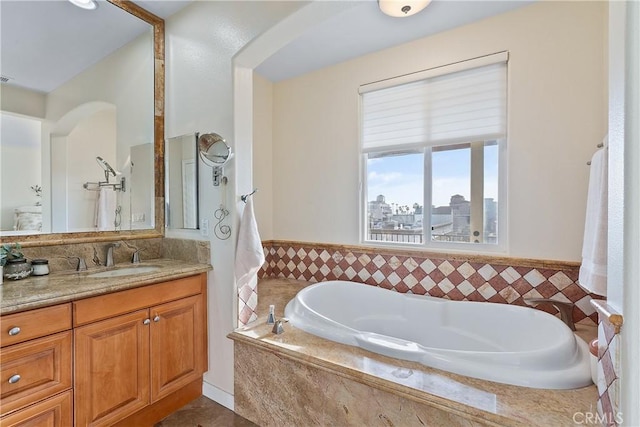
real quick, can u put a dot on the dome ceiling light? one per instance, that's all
(402, 8)
(85, 4)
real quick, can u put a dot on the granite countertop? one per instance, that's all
(61, 287)
(472, 398)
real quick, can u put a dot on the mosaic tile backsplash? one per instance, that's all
(608, 367)
(459, 278)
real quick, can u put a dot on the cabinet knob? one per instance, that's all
(156, 319)
(146, 322)
(14, 379)
(14, 331)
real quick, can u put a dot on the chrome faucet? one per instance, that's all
(564, 308)
(135, 257)
(109, 262)
(82, 265)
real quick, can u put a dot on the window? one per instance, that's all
(433, 144)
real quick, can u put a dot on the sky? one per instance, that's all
(400, 178)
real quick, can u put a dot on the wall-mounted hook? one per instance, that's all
(244, 197)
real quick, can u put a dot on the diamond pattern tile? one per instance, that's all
(247, 304)
(510, 275)
(534, 277)
(486, 291)
(446, 268)
(608, 372)
(466, 270)
(454, 279)
(560, 280)
(427, 265)
(487, 272)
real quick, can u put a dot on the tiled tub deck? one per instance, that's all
(297, 379)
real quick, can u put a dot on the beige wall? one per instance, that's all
(74, 207)
(263, 154)
(557, 115)
(19, 100)
(124, 79)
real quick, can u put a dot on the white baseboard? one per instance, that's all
(217, 395)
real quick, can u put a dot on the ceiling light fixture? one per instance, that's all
(85, 4)
(402, 8)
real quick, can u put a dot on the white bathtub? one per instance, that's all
(497, 342)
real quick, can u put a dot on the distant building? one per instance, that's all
(379, 210)
(460, 215)
(490, 220)
(450, 223)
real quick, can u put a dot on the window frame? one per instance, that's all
(502, 245)
(427, 243)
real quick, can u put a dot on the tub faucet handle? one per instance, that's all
(271, 318)
(277, 327)
(564, 308)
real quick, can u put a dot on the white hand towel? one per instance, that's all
(249, 253)
(105, 209)
(593, 271)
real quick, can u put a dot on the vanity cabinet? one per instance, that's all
(36, 367)
(128, 358)
(126, 362)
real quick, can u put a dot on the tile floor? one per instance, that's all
(204, 412)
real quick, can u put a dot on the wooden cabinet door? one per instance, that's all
(52, 412)
(111, 369)
(178, 345)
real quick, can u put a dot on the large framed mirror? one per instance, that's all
(96, 141)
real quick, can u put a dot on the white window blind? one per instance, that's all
(470, 102)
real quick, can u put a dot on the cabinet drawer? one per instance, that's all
(37, 323)
(53, 412)
(35, 370)
(105, 306)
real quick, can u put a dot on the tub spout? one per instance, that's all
(564, 308)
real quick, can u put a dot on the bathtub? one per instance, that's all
(497, 342)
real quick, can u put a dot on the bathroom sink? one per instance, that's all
(127, 271)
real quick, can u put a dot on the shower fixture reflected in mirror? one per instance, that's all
(117, 186)
(106, 166)
(214, 152)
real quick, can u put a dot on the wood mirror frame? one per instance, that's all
(158, 143)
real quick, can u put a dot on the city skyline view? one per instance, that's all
(400, 178)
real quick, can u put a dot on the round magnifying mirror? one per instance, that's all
(214, 150)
